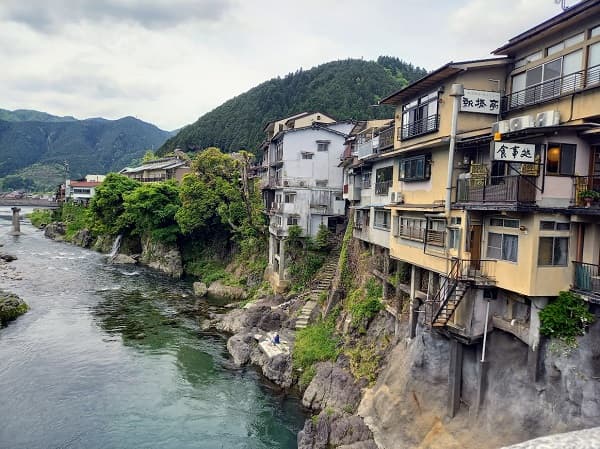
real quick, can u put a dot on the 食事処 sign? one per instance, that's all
(481, 101)
(513, 152)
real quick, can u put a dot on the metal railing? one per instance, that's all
(497, 189)
(586, 277)
(583, 183)
(412, 233)
(386, 139)
(383, 187)
(419, 127)
(548, 90)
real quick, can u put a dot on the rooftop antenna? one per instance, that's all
(562, 3)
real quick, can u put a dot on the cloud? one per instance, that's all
(157, 14)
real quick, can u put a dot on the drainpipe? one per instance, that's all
(456, 91)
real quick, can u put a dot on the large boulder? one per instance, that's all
(161, 256)
(7, 257)
(200, 289)
(217, 288)
(83, 238)
(240, 346)
(123, 259)
(332, 388)
(11, 306)
(333, 429)
(55, 230)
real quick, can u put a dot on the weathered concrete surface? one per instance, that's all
(581, 439)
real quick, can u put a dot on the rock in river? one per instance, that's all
(11, 306)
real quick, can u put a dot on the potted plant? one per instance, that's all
(588, 196)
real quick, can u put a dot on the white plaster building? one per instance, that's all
(301, 181)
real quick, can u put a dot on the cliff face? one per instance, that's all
(407, 406)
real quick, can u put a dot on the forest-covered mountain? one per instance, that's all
(34, 146)
(343, 89)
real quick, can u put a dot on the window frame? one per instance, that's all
(387, 222)
(425, 160)
(503, 257)
(554, 262)
(572, 147)
(413, 116)
(323, 145)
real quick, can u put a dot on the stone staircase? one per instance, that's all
(321, 284)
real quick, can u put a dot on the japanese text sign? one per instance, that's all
(481, 101)
(513, 152)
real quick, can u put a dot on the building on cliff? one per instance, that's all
(160, 169)
(301, 181)
(493, 163)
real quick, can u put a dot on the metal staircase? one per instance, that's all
(448, 297)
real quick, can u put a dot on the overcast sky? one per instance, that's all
(170, 61)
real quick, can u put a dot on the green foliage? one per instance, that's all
(364, 361)
(589, 194)
(566, 317)
(42, 217)
(208, 271)
(107, 205)
(314, 343)
(321, 242)
(304, 269)
(150, 209)
(76, 217)
(149, 156)
(364, 304)
(90, 146)
(343, 265)
(344, 89)
(16, 182)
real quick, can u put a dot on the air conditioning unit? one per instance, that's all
(301, 183)
(519, 123)
(397, 197)
(286, 183)
(547, 118)
(501, 127)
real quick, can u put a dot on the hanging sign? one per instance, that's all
(513, 152)
(481, 101)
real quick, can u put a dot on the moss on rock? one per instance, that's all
(11, 306)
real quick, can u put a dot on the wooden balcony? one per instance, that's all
(517, 189)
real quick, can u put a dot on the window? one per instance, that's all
(436, 232)
(323, 145)
(565, 44)
(383, 180)
(454, 232)
(554, 226)
(415, 168)
(547, 80)
(321, 183)
(560, 159)
(307, 155)
(527, 59)
(412, 228)
(81, 191)
(292, 221)
(503, 246)
(382, 219)
(420, 116)
(366, 180)
(595, 31)
(505, 222)
(289, 198)
(553, 251)
(593, 71)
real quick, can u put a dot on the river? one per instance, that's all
(105, 359)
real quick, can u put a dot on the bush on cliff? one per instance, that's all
(565, 318)
(42, 217)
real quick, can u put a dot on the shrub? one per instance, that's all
(315, 343)
(41, 217)
(364, 304)
(565, 318)
(364, 362)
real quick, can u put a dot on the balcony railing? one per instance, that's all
(499, 189)
(386, 139)
(581, 184)
(412, 233)
(436, 238)
(548, 90)
(383, 187)
(587, 277)
(419, 127)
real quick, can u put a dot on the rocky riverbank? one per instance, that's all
(11, 307)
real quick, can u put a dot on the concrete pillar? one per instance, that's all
(386, 273)
(271, 249)
(454, 377)
(414, 302)
(281, 259)
(398, 300)
(482, 369)
(533, 356)
(16, 223)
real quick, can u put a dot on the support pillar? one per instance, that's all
(16, 221)
(533, 353)
(454, 377)
(398, 300)
(482, 369)
(281, 259)
(386, 274)
(414, 302)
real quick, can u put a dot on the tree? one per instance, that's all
(107, 205)
(150, 210)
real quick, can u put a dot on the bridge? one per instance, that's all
(28, 202)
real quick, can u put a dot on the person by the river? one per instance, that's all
(275, 339)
